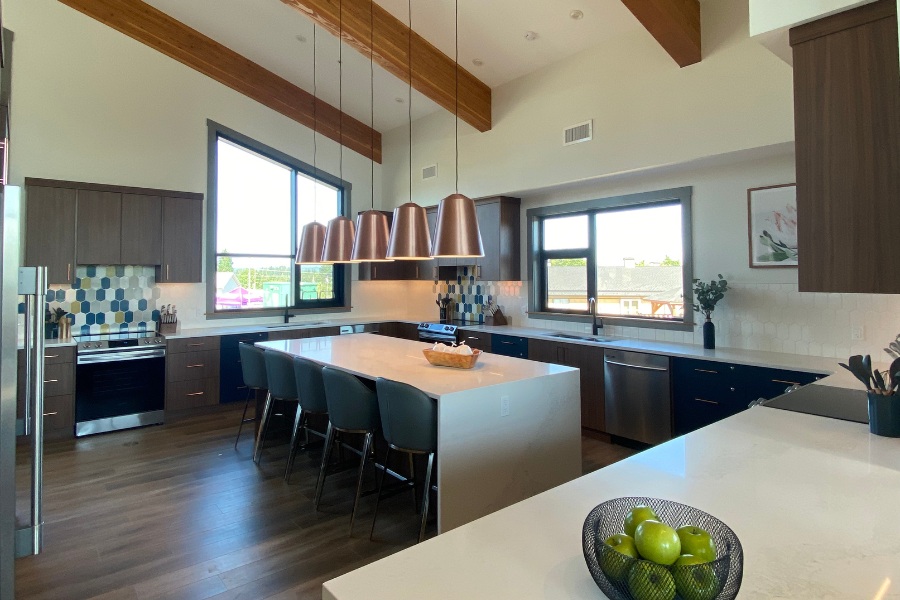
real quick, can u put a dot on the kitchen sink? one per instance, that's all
(298, 324)
(581, 338)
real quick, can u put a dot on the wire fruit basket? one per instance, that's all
(457, 361)
(612, 570)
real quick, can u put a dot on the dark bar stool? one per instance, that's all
(282, 386)
(253, 368)
(409, 424)
(352, 408)
(311, 389)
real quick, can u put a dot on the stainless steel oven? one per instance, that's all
(120, 382)
(438, 332)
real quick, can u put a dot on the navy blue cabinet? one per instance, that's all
(231, 380)
(509, 345)
(704, 392)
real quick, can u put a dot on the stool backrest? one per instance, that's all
(310, 385)
(253, 366)
(408, 416)
(351, 404)
(280, 373)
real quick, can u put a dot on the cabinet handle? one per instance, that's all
(50, 414)
(241, 387)
(417, 271)
(195, 366)
(374, 271)
(508, 343)
(198, 344)
(786, 382)
(706, 371)
(51, 356)
(51, 381)
(473, 338)
(706, 401)
(69, 271)
(196, 394)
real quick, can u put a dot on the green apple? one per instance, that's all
(637, 515)
(697, 542)
(648, 581)
(694, 578)
(616, 563)
(657, 542)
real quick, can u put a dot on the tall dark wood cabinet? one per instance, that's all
(498, 220)
(99, 227)
(141, 230)
(182, 233)
(847, 122)
(50, 231)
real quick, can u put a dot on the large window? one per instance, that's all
(259, 201)
(630, 253)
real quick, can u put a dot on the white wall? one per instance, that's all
(91, 104)
(771, 15)
(647, 113)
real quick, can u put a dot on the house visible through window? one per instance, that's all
(627, 253)
(261, 205)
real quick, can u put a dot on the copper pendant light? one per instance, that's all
(457, 233)
(372, 230)
(410, 236)
(312, 240)
(312, 236)
(341, 232)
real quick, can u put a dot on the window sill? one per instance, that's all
(686, 325)
(267, 312)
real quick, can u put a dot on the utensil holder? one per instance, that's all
(884, 415)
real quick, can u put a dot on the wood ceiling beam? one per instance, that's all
(433, 72)
(173, 38)
(674, 23)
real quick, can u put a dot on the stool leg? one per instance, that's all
(427, 494)
(263, 425)
(359, 481)
(244, 418)
(412, 479)
(380, 487)
(298, 424)
(326, 457)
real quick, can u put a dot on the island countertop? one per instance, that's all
(369, 355)
(813, 501)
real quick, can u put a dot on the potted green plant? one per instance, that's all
(706, 296)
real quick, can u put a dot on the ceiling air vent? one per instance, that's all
(583, 132)
(429, 172)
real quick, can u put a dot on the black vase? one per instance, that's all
(709, 334)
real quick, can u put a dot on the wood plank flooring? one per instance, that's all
(175, 511)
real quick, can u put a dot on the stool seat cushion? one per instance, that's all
(310, 385)
(280, 373)
(352, 405)
(253, 366)
(408, 416)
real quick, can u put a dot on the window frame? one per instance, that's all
(537, 257)
(342, 283)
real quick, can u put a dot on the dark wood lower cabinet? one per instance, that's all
(192, 372)
(589, 361)
(59, 391)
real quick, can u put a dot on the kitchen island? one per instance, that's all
(813, 501)
(507, 429)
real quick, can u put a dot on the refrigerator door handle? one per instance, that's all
(33, 285)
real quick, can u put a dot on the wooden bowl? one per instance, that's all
(457, 361)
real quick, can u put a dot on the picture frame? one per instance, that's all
(772, 226)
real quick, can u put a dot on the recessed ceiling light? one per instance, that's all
(531, 35)
(301, 38)
(399, 100)
(576, 14)
(477, 62)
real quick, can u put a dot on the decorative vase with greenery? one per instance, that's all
(706, 296)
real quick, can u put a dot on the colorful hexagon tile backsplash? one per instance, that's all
(104, 299)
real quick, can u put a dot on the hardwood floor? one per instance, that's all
(175, 512)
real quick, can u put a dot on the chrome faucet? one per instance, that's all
(596, 325)
(287, 312)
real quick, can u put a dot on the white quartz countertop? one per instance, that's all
(371, 356)
(813, 500)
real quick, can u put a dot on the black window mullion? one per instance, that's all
(295, 274)
(592, 257)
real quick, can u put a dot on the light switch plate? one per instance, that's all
(504, 406)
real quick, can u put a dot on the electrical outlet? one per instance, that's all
(857, 333)
(504, 406)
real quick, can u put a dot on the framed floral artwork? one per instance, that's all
(772, 226)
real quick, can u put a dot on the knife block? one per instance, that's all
(168, 328)
(498, 318)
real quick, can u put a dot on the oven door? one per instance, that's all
(437, 337)
(119, 390)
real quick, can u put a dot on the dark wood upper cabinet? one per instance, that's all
(99, 227)
(498, 220)
(50, 231)
(847, 126)
(385, 271)
(182, 239)
(141, 230)
(427, 267)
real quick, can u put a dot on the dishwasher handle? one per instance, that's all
(641, 367)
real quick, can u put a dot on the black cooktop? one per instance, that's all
(825, 401)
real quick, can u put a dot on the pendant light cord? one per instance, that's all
(409, 97)
(372, 91)
(456, 113)
(341, 91)
(315, 134)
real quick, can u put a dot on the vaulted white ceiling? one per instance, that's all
(280, 39)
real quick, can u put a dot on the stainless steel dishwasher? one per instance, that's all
(638, 397)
